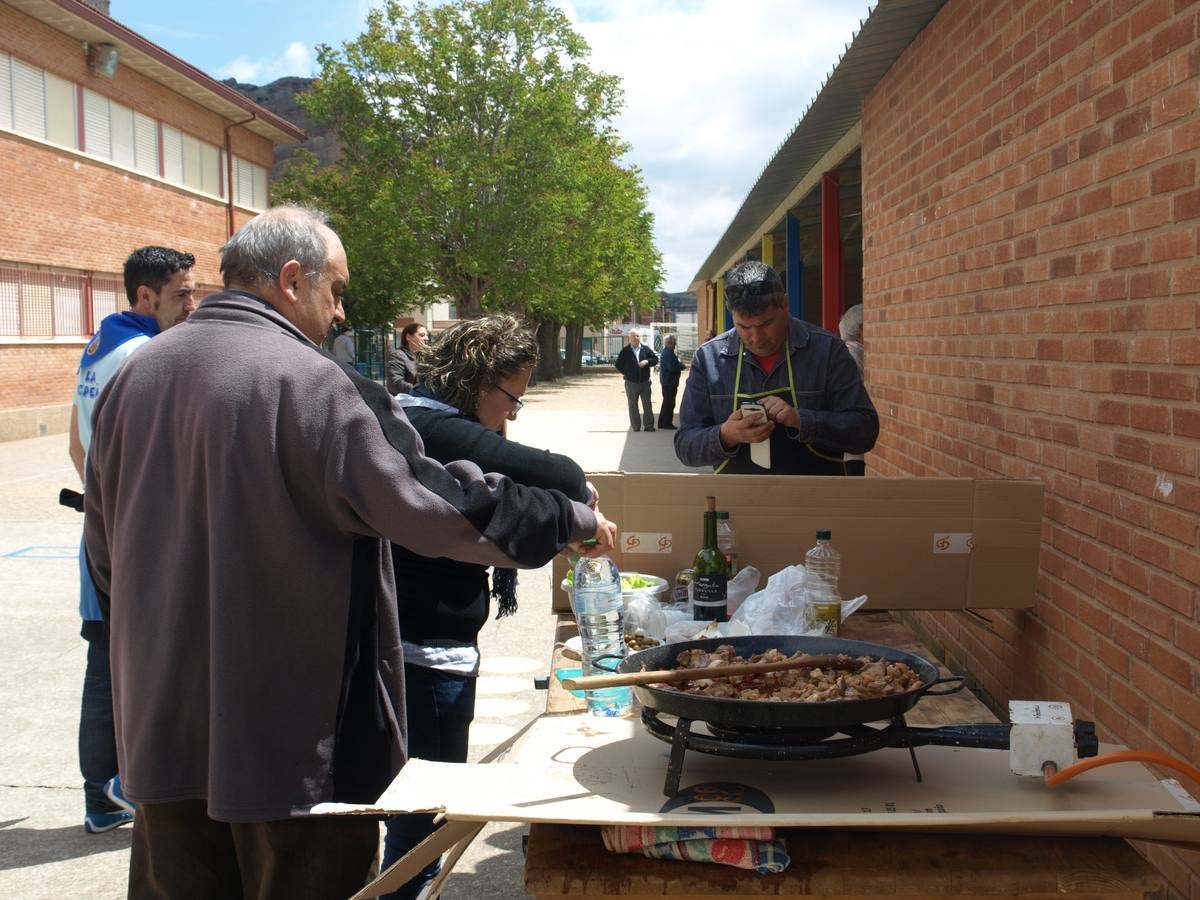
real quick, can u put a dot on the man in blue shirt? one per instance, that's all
(161, 289)
(814, 405)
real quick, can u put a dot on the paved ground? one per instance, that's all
(44, 852)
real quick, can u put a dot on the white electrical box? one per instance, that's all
(1042, 732)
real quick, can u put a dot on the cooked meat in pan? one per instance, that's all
(872, 679)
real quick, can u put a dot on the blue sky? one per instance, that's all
(712, 87)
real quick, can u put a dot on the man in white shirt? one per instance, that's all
(635, 362)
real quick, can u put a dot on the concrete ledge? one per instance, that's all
(34, 421)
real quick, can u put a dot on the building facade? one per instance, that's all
(1028, 177)
(107, 143)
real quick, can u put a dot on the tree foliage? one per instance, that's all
(479, 164)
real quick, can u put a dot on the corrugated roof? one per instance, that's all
(888, 29)
(80, 21)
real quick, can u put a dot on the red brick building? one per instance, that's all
(107, 143)
(1016, 198)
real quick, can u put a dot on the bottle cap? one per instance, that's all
(824, 535)
(722, 514)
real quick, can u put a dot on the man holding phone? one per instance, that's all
(776, 381)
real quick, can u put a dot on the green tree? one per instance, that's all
(479, 165)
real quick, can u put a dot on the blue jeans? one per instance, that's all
(97, 740)
(440, 707)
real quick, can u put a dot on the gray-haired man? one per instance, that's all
(242, 486)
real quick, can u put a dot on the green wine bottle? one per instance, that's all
(710, 573)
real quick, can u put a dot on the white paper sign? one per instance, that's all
(653, 542)
(953, 542)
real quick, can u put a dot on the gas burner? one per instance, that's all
(827, 743)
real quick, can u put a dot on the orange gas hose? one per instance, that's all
(1053, 778)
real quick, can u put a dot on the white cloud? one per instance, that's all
(297, 59)
(712, 88)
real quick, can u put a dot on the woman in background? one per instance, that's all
(401, 367)
(471, 383)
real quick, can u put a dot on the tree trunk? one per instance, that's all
(550, 365)
(573, 364)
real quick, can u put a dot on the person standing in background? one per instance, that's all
(635, 362)
(161, 289)
(851, 329)
(401, 365)
(669, 370)
(343, 344)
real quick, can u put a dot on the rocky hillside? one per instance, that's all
(280, 98)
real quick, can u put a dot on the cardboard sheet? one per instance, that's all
(907, 543)
(588, 770)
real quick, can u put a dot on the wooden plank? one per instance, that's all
(571, 861)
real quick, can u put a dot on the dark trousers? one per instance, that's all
(440, 707)
(635, 391)
(179, 853)
(666, 412)
(97, 740)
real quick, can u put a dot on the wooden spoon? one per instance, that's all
(595, 682)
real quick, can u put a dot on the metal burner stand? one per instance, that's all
(823, 744)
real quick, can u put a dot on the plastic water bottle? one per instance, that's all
(599, 613)
(726, 542)
(823, 565)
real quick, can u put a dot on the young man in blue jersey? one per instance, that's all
(161, 291)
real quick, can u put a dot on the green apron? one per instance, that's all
(788, 457)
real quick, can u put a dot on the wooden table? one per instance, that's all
(570, 861)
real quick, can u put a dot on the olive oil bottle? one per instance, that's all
(710, 572)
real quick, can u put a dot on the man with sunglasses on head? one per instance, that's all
(774, 381)
(161, 289)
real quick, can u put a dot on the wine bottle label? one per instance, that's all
(709, 590)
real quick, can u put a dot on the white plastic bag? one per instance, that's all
(782, 606)
(741, 586)
(644, 616)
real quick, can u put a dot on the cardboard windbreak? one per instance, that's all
(592, 770)
(907, 543)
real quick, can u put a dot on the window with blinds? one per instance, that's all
(40, 104)
(250, 184)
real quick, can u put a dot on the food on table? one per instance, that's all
(631, 581)
(640, 642)
(874, 678)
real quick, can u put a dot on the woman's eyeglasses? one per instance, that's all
(519, 403)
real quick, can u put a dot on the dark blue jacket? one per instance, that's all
(669, 367)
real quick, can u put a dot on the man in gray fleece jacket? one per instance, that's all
(242, 486)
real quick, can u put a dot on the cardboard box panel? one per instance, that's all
(593, 770)
(907, 543)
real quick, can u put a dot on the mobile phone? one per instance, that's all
(753, 411)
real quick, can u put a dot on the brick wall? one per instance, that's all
(68, 210)
(38, 374)
(1031, 215)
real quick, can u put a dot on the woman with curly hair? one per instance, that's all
(470, 383)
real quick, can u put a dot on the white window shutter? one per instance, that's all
(29, 99)
(145, 144)
(121, 119)
(245, 184)
(260, 188)
(96, 133)
(61, 120)
(6, 117)
(172, 154)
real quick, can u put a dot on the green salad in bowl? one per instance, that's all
(630, 582)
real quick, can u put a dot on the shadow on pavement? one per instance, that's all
(499, 877)
(25, 847)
